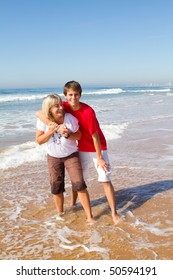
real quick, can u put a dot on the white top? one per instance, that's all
(57, 145)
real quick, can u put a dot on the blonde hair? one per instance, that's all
(48, 102)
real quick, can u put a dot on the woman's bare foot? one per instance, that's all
(60, 215)
(116, 218)
(91, 221)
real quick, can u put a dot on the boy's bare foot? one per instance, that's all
(70, 208)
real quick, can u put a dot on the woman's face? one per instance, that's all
(57, 111)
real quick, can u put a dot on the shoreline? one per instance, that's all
(142, 178)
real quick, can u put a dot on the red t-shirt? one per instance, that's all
(88, 126)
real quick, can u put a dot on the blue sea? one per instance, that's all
(116, 109)
(138, 125)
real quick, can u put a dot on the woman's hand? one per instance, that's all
(53, 127)
(63, 130)
(60, 129)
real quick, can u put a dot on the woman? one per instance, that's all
(62, 152)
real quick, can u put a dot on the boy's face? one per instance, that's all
(72, 98)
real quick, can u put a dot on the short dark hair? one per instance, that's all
(72, 85)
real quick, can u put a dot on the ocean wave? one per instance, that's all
(34, 95)
(114, 131)
(20, 98)
(30, 151)
(17, 155)
(149, 90)
(11, 98)
(106, 91)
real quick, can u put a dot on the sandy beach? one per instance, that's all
(142, 178)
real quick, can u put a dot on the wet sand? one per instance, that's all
(143, 181)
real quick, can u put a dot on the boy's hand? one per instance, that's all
(103, 164)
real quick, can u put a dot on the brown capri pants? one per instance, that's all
(57, 166)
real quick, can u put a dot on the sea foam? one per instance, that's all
(30, 151)
(114, 131)
(15, 156)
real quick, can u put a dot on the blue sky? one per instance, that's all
(45, 43)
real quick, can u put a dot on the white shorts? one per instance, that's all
(88, 157)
